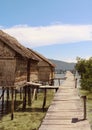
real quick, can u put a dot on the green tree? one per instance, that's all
(80, 66)
(84, 67)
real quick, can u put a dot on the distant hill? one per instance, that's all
(61, 65)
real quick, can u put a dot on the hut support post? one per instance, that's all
(29, 96)
(28, 71)
(28, 80)
(24, 98)
(15, 99)
(20, 94)
(52, 82)
(44, 100)
(36, 93)
(12, 103)
(7, 93)
(2, 99)
(7, 100)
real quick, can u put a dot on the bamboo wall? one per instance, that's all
(21, 70)
(46, 72)
(34, 72)
(13, 68)
(7, 65)
(7, 72)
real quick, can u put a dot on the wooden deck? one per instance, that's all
(66, 110)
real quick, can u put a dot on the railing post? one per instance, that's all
(75, 82)
(84, 102)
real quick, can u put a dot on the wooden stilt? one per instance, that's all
(52, 82)
(24, 98)
(3, 99)
(20, 93)
(15, 99)
(7, 100)
(29, 96)
(7, 93)
(44, 100)
(36, 93)
(12, 103)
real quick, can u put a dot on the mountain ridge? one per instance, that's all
(62, 65)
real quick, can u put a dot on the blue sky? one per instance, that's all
(58, 29)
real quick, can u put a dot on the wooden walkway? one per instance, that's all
(66, 110)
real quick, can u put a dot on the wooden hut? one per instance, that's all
(15, 62)
(45, 69)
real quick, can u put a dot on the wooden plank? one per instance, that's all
(48, 87)
(33, 84)
(66, 110)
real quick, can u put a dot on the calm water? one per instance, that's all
(56, 83)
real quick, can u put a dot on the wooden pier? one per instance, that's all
(66, 111)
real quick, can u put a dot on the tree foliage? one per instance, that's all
(84, 68)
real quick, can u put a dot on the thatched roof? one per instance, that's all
(16, 46)
(42, 57)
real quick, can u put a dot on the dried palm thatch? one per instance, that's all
(42, 58)
(16, 46)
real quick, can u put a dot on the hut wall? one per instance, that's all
(43, 64)
(46, 72)
(21, 70)
(7, 65)
(33, 72)
(7, 72)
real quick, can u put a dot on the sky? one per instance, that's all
(58, 29)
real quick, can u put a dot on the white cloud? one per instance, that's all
(52, 34)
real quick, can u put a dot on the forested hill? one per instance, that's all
(61, 65)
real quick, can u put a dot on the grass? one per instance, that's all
(89, 104)
(31, 118)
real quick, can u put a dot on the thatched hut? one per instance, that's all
(45, 68)
(15, 61)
